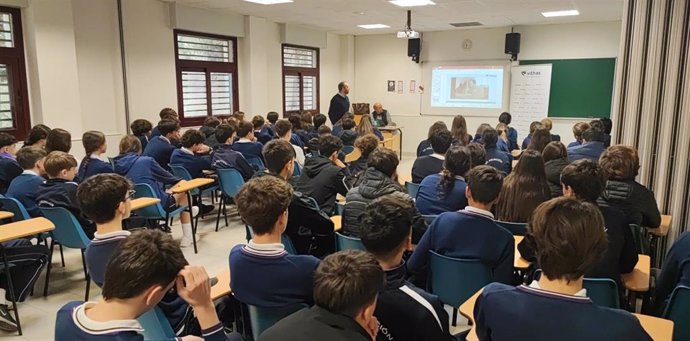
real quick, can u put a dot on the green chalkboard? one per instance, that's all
(580, 88)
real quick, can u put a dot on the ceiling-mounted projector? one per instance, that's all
(408, 32)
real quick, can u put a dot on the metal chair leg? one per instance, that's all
(220, 208)
(62, 255)
(455, 317)
(10, 289)
(50, 261)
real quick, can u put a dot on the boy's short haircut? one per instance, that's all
(272, 117)
(100, 195)
(608, 124)
(329, 144)
(436, 127)
(282, 127)
(192, 137)
(28, 156)
(258, 122)
(347, 281)
(386, 224)
(7, 139)
(324, 129)
(168, 114)
(554, 150)
(441, 141)
(261, 201)
(37, 133)
(211, 121)
(580, 128)
(585, 178)
(597, 124)
(296, 121)
(592, 134)
(569, 237)
(140, 127)
(383, 160)
(348, 124)
(244, 129)
(58, 161)
(505, 118)
(277, 154)
(485, 183)
(130, 144)
(319, 120)
(477, 154)
(224, 132)
(307, 118)
(490, 137)
(620, 163)
(59, 139)
(239, 115)
(144, 259)
(367, 144)
(166, 126)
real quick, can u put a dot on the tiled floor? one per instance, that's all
(67, 284)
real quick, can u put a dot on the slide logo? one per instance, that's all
(531, 73)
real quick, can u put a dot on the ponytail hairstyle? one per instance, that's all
(92, 141)
(457, 163)
(459, 130)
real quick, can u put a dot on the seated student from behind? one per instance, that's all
(528, 139)
(325, 176)
(338, 126)
(25, 187)
(548, 124)
(262, 273)
(9, 168)
(348, 135)
(224, 157)
(608, 126)
(471, 233)
(675, 271)
(258, 123)
(591, 147)
(209, 131)
(578, 129)
(319, 121)
(268, 129)
(366, 144)
(283, 129)
(298, 129)
(445, 191)
(570, 239)
(424, 147)
(346, 285)
(164, 114)
(432, 164)
(160, 148)
(93, 163)
(190, 156)
(477, 154)
(247, 144)
(404, 311)
(313, 144)
(146, 266)
(511, 132)
(495, 157)
(60, 190)
(142, 130)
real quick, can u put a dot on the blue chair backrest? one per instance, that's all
(13, 205)
(262, 318)
(603, 292)
(343, 242)
(412, 188)
(347, 150)
(517, 229)
(153, 211)
(230, 181)
(256, 163)
(455, 280)
(429, 218)
(156, 325)
(67, 231)
(678, 311)
(297, 170)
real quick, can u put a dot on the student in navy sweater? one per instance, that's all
(528, 139)
(60, 140)
(192, 154)
(60, 190)
(298, 128)
(165, 114)
(224, 157)
(548, 124)
(160, 148)
(145, 267)
(209, 131)
(25, 187)
(268, 128)
(261, 136)
(578, 129)
(591, 147)
(93, 163)
(477, 154)
(432, 164)
(675, 271)
(570, 236)
(445, 192)
(512, 133)
(499, 159)
(262, 273)
(9, 168)
(283, 129)
(142, 130)
(404, 311)
(470, 233)
(247, 144)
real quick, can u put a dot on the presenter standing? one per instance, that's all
(340, 103)
(380, 116)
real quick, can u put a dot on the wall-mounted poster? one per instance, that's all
(400, 87)
(413, 86)
(391, 86)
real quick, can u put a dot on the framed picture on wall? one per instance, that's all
(400, 87)
(391, 86)
(413, 86)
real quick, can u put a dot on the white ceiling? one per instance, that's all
(343, 16)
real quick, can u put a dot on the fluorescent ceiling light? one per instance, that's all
(269, 2)
(373, 26)
(411, 3)
(560, 13)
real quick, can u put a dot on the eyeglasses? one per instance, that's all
(130, 194)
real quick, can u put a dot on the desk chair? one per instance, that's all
(678, 311)
(256, 163)
(262, 318)
(603, 292)
(343, 242)
(642, 241)
(13, 205)
(230, 181)
(156, 326)
(455, 280)
(517, 229)
(69, 233)
(412, 189)
(180, 171)
(154, 212)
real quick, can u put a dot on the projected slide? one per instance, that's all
(467, 87)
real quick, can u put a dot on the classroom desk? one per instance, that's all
(222, 288)
(14, 231)
(516, 153)
(389, 132)
(662, 230)
(519, 262)
(403, 178)
(6, 215)
(659, 329)
(353, 156)
(337, 222)
(185, 187)
(139, 203)
(638, 280)
(658, 240)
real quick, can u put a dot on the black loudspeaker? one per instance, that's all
(513, 45)
(414, 48)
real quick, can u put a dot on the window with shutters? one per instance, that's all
(14, 93)
(206, 76)
(300, 79)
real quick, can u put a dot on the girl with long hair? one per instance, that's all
(445, 192)
(92, 163)
(459, 131)
(365, 127)
(523, 190)
(540, 139)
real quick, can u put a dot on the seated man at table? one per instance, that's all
(346, 285)
(262, 273)
(675, 271)
(224, 157)
(471, 233)
(432, 164)
(404, 311)
(25, 187)
(143, 270)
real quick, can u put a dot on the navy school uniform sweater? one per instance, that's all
(586, 151)
(468, 234)
(224, 157)
(160, 149)
(9, 169)
(265, 275)
(248, 148)
(424, 148)
(526, 141)
(428, 201)
(25, 188)
(63, 193)
(194, 164)
(91, 166)
(425, 166)
(512, 138)
(674, 271)
(263, 137)
(499, 159)
(505, 312)
(144, 140)
(144, 169)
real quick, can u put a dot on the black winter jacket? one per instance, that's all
(553, 175)
(636, 201)
(322, 180)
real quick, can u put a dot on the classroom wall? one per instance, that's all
(380, 58)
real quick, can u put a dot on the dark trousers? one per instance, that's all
(28, 260)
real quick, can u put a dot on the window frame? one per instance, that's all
(208, 67)
(15, 59)
(301, 72)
